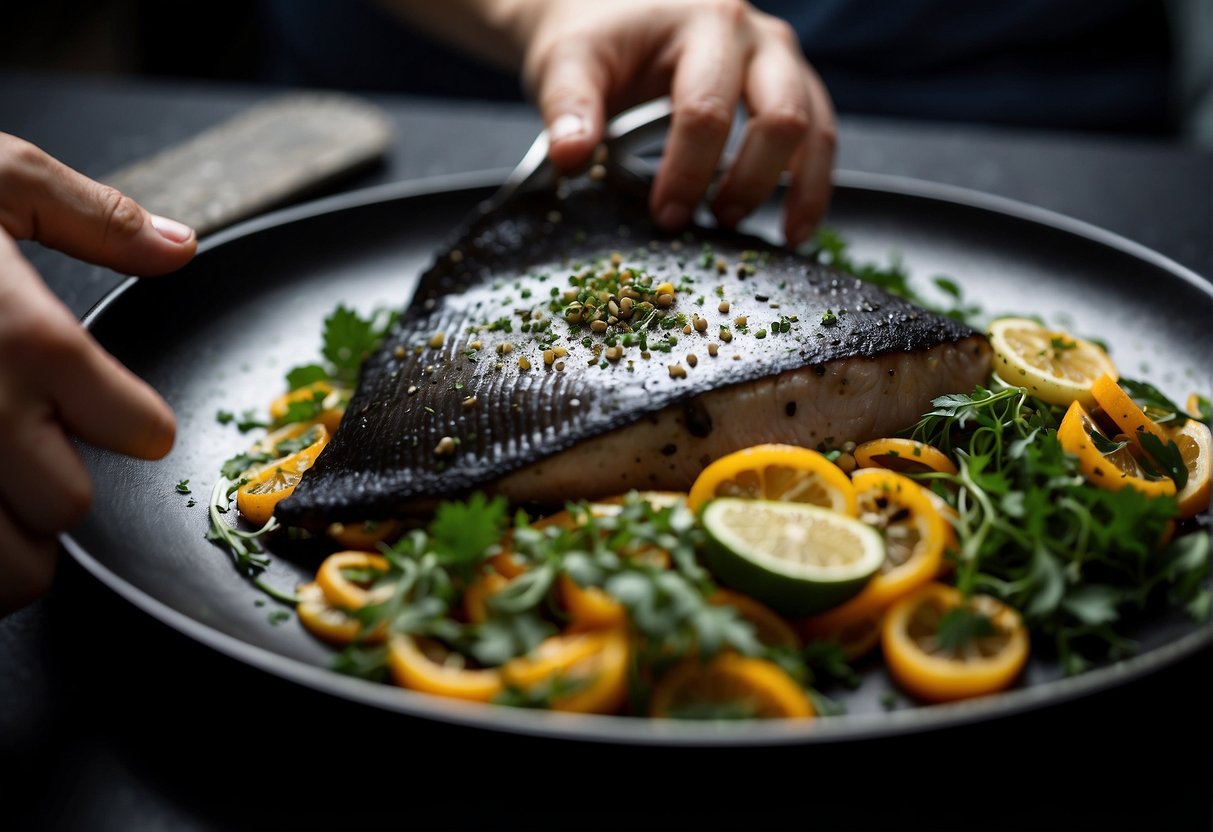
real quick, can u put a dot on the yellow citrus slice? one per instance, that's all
(1196, 448)
(729, 685)
(425, 665)
(1053, 365)
(593, 664)
(352, 593)
(272, 484)
(1114, 469)
(775, 472)
(589, 607)
(330, 623)
(365, 536)
(769, 627)
(272, 444)
(1123, 411)
(903, 455)
(330, 401)
(914, 539)
(796, 558)
(924, 666)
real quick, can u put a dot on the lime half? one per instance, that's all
(797, 558)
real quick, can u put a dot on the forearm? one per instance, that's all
(494, 30)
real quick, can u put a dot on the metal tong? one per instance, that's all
(623, 135)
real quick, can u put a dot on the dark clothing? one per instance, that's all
(1090, 64)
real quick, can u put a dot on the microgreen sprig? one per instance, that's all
(248, 556)
(1073, 558)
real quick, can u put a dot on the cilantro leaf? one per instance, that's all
(1167, 456)
(237, 465)
(501, 638)
(1149, 396)
(349, 338)
(464, 532)
(1204, 409)
(301, 410)
(1094, 604)
(305, 375)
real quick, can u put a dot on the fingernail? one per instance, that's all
(172, 230)
(674, 216)
(567, 126)
(729, 215)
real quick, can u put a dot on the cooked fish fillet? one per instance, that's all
(566, 348)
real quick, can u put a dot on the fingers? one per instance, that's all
(570, 99)
(50, 362)
(791, 127)
(55, 380)
(809, 190)
(27, 564)
(45, 483)
(106, 405)
(42, 199)
(706, 86)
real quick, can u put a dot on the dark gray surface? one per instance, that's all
(108, 720)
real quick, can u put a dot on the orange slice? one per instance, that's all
(907, 456)
(1196, 448)
(365, 536)
(1123, 411)
(425, 665)
(915, 536)
(272, 484)
(330, 400)
(981, 665)
(775, 472)
(769, 627)
(595, 664)
(1115, 470)
(330, 623)
(755, 688)
(343, 592)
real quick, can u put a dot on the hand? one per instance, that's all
(55, 380)
(584, 61)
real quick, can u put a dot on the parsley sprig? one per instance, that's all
(625, 554)
(348, 339)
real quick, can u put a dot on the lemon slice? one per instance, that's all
(775, 472)
(729, 686)
(1195, 447)
(796, 558)
(1113, 470)
(1053, 365)
(275, 482)
(921, 665)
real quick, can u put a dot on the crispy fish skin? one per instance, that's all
(852, 399)
(484, 384)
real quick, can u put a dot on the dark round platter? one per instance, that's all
(219, 334)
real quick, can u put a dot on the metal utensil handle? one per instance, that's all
(624, 132)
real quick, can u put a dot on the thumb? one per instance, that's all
(43, 199)
(569, 91)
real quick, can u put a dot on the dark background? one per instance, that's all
(1145, 70)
